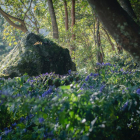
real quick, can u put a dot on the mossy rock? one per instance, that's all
(35, 55)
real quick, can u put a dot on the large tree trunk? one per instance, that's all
(126, 5)
(109, 39)
(119, 24)
(53, 19)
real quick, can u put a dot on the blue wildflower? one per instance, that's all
(98, 64)
(26, 118)
(47, 92)
(91, 87)
(107, 64)
(14, 124)
(138, 91)
(6, 128)
(122, 70)
(91, 74)
(41, 120)
(46, 74)
(125, 106)
(43, 95)
(7, 131)
(102, 87)
(87, 78)
(83, 86)
(0, 137)
(96, 74)
(25, 130)
(69, 71)
(21, 119)
(32, 81)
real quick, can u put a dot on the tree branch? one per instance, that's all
(9, 16)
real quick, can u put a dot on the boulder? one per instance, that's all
(35, 55)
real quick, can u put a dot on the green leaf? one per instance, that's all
(64, 87)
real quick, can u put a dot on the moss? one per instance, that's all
(35, 56)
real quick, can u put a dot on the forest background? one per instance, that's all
(72, 24)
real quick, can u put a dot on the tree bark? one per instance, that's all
(119, 24)
(99, 53)
(108, 37)
(8, 18)
(66, 16)
(126, 5)
(53, 19)
(73, 18)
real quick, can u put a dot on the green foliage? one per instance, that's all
(96, 106)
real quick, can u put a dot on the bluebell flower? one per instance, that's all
(7, 131)
(102, 87)
(125, 106)
(123, 91)
(31, 115)
(25, 130)
(69, 71)
(112, 71)
(43, 95)
(91, 87)
(46, 74)
(87, 78)
(138, 91)
(96, 74)
(91, 74)
(26, 118)
(21, 119)
(98, 64)
(14, 124)
(107, 64)
(32, 81)
(83, 86)
(6, 128)
(41, 120)
(0, 137)
(121, 69)
(47, 92)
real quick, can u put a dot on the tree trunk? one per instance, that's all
(66, 15)
(99, 54)
(72, 47)
(119, 24)
(126, 5)
(53, 19)
(73, 18)
(109, 39)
